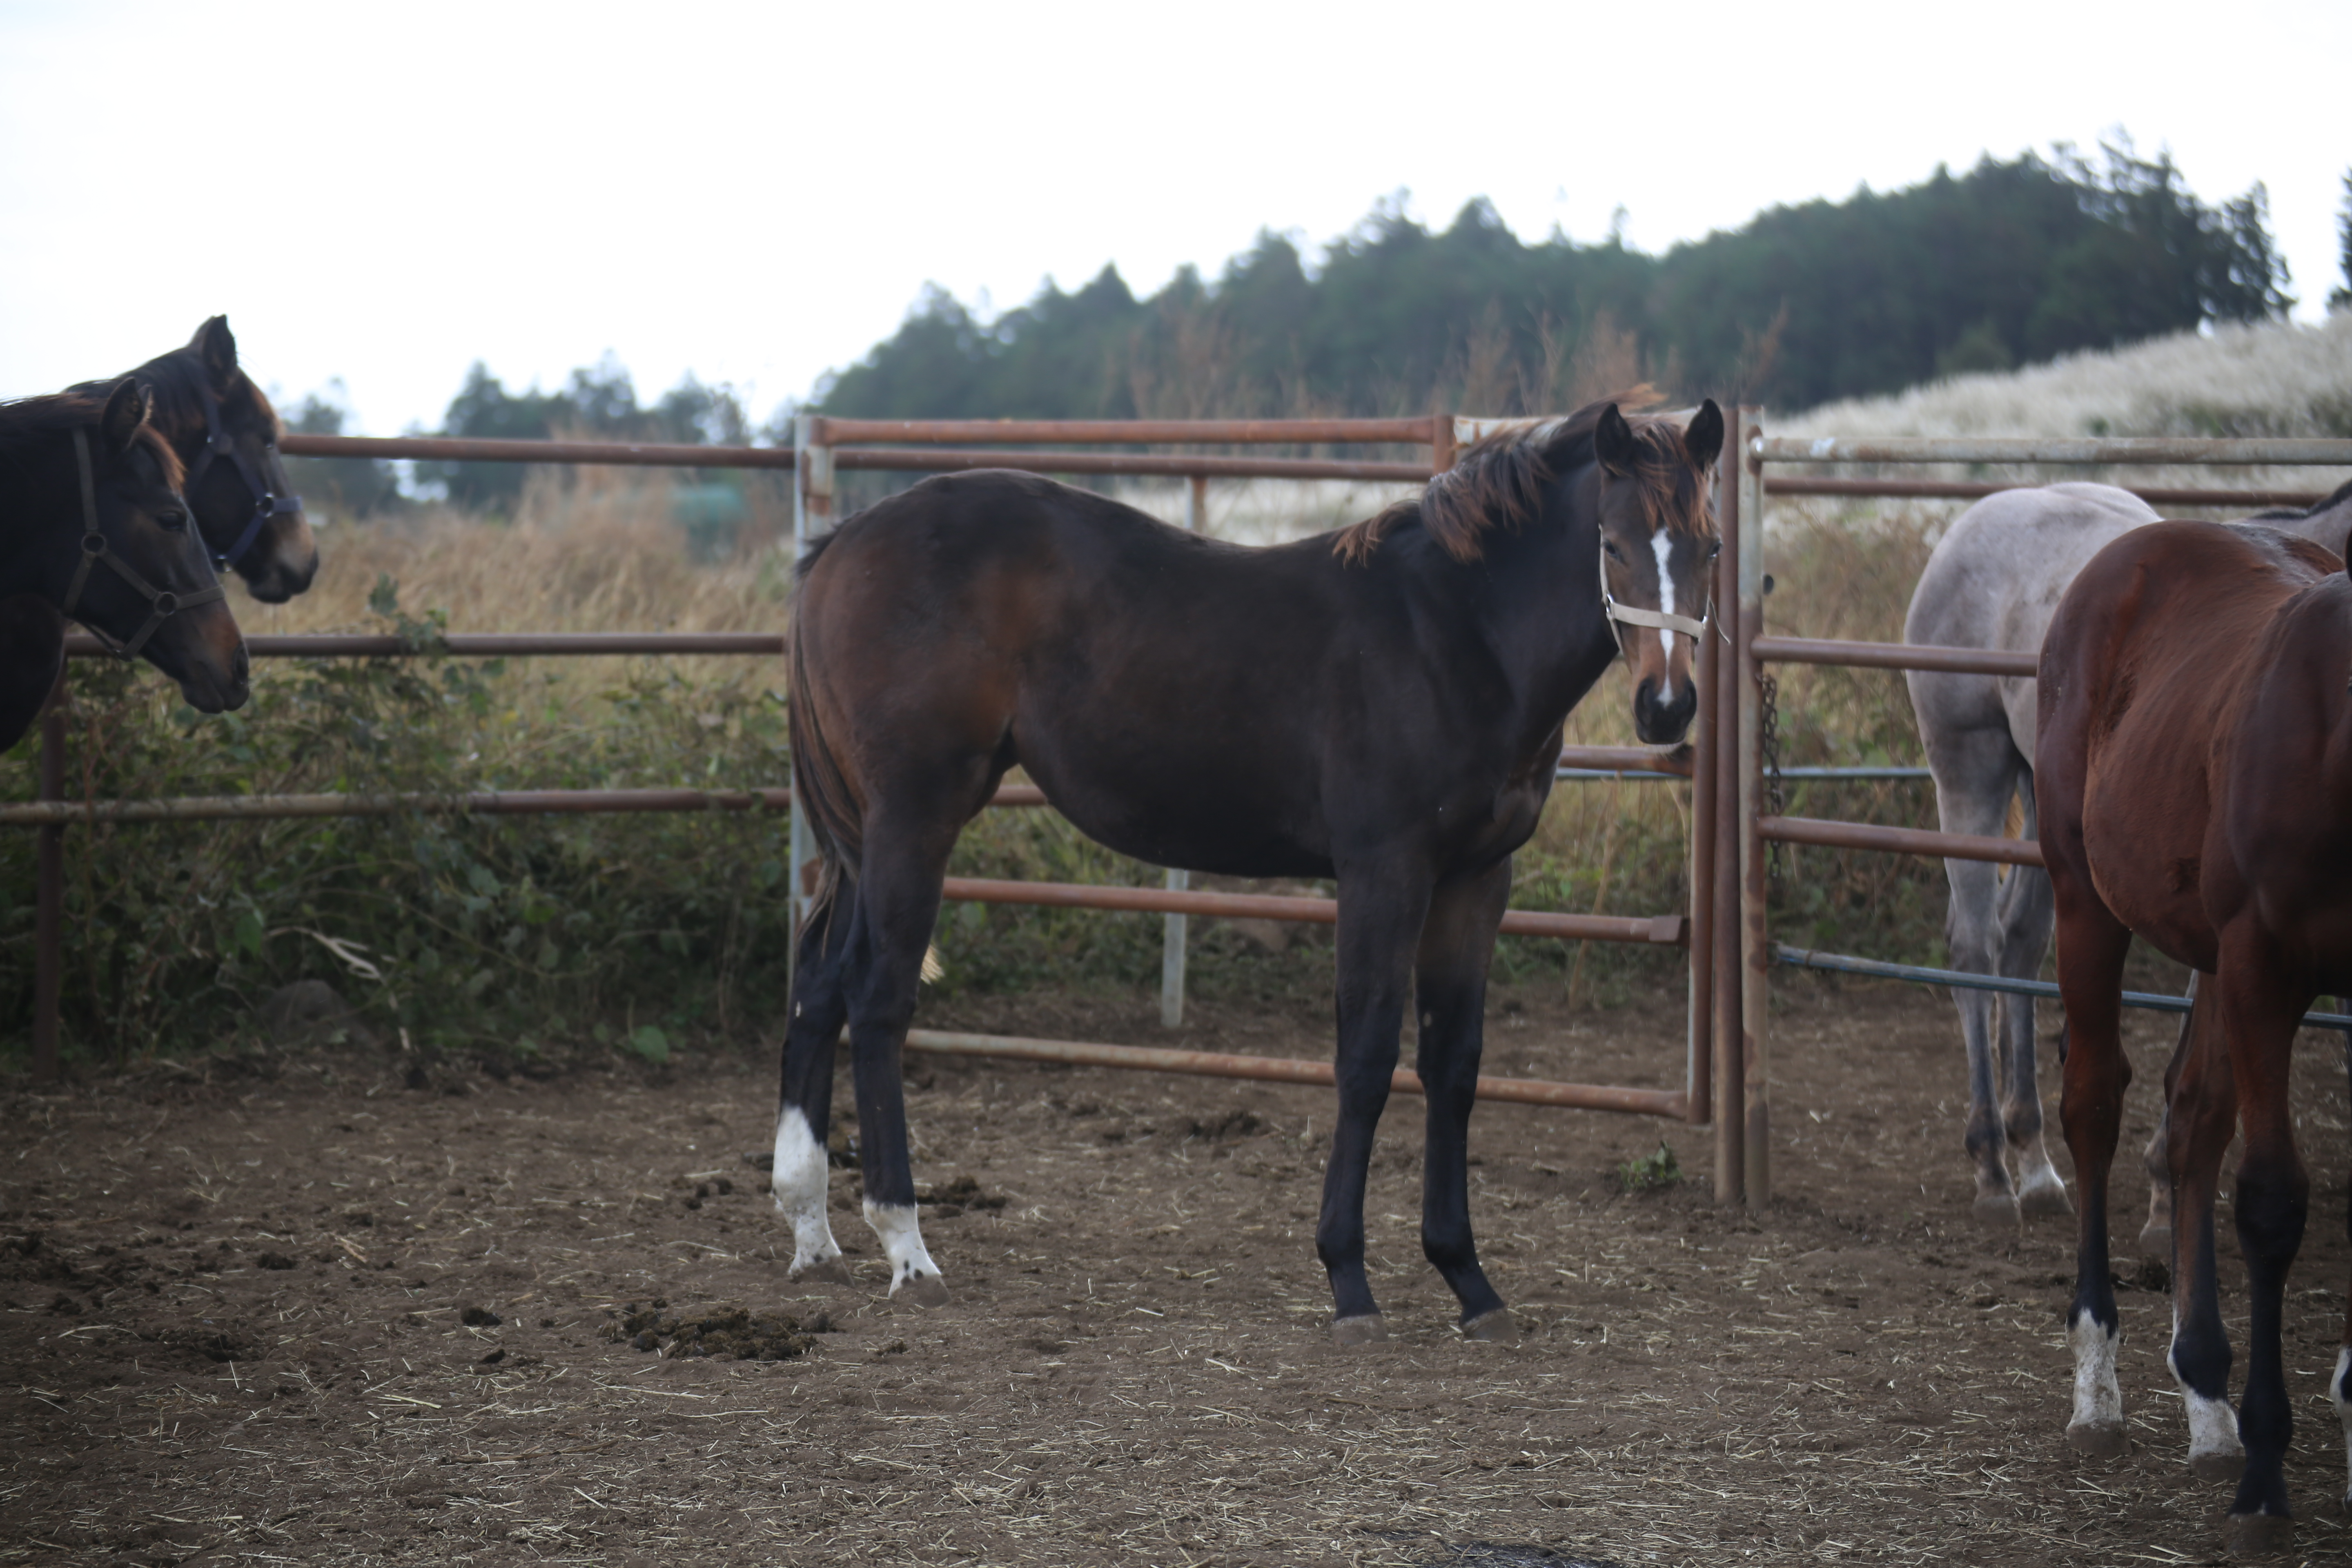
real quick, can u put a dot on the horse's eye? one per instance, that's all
(172, 518)
(1714, 548)
(1609, 548)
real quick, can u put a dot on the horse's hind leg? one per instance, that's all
(1976, 776)
(804, 1111)
(2024, 939)
(2091, 947)
(2156, 1235)
(1450, 997)
(2198, 1084)
(2260, 1009)
(898, 906)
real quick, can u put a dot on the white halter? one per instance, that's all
(1632, 616)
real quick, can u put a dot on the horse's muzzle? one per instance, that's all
(1662, 720)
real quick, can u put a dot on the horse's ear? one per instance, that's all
(216, 346)
(1613, 444)
(127, 407)
(1702, 439)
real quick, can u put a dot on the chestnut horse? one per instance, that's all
(98, 533)
(1382, 706)
(2194, 743)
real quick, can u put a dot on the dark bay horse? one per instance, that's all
(1382, 706)
(2194, 785)
(225, 432)
(98, 533)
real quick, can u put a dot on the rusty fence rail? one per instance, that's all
(1736, 925)
(817, 452)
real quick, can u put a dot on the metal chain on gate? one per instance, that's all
(1775, 798)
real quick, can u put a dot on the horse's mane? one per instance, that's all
(26, 420)
(1499, 480)
(2342, 493)
(179, 380)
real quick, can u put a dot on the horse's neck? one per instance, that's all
(1538, 610)
(41, 503)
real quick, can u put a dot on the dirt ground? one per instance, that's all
(323, 1309)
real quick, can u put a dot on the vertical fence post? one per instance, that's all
(49, 894)
(1698, 1066)
(1755, 944)
(1723, 951)
(1175, 932)
(1441, 441)
(811, 520)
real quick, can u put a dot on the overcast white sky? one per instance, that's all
(384, 194)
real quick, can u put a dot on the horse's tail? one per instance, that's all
(820, 789)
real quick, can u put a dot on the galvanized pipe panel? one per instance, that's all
(467, 449)
(1664, 930)
(1754, 937)
(1285, 1070)
(2145, 450)
(919, 460)
(1894, 656)
(1420, 432)
(484, 644)
(1965, 490)
(1831, 835)
(1846, 964)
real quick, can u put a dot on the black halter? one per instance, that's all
(162, 602)
(266, 503)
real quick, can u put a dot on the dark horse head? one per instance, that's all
(1600, 529)
(225, 432)
(100, 532)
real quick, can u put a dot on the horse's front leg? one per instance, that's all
(1450, 997)
(1380, 913)
(898, 906)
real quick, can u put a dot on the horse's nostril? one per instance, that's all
(240, 668)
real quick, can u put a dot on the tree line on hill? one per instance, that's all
(2007, 264)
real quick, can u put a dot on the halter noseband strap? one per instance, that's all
(266, 504)
(1632, 616)
(162, 602)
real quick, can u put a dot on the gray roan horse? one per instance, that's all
(1993, 582)
(1383, 706)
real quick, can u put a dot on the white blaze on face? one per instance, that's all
(1662, 545)
(798, 1181)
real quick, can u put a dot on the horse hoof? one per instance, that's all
(1349, 1333)
(1996, 1211)
(2259, 1535)
(2155, 1241)
(1495, 1328)
(2219, 1467)
(2097, 1439)
(831, 1272)
(922, 1289)
(2046, 1203)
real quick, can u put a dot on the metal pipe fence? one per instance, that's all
(1740, 926)
(813, 459)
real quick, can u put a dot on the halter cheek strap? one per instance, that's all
(162, 602)
(218, 443)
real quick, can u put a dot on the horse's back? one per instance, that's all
(2152, 658)
(1993, 582)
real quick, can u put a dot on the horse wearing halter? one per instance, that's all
(267, 504)
(162, 602)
